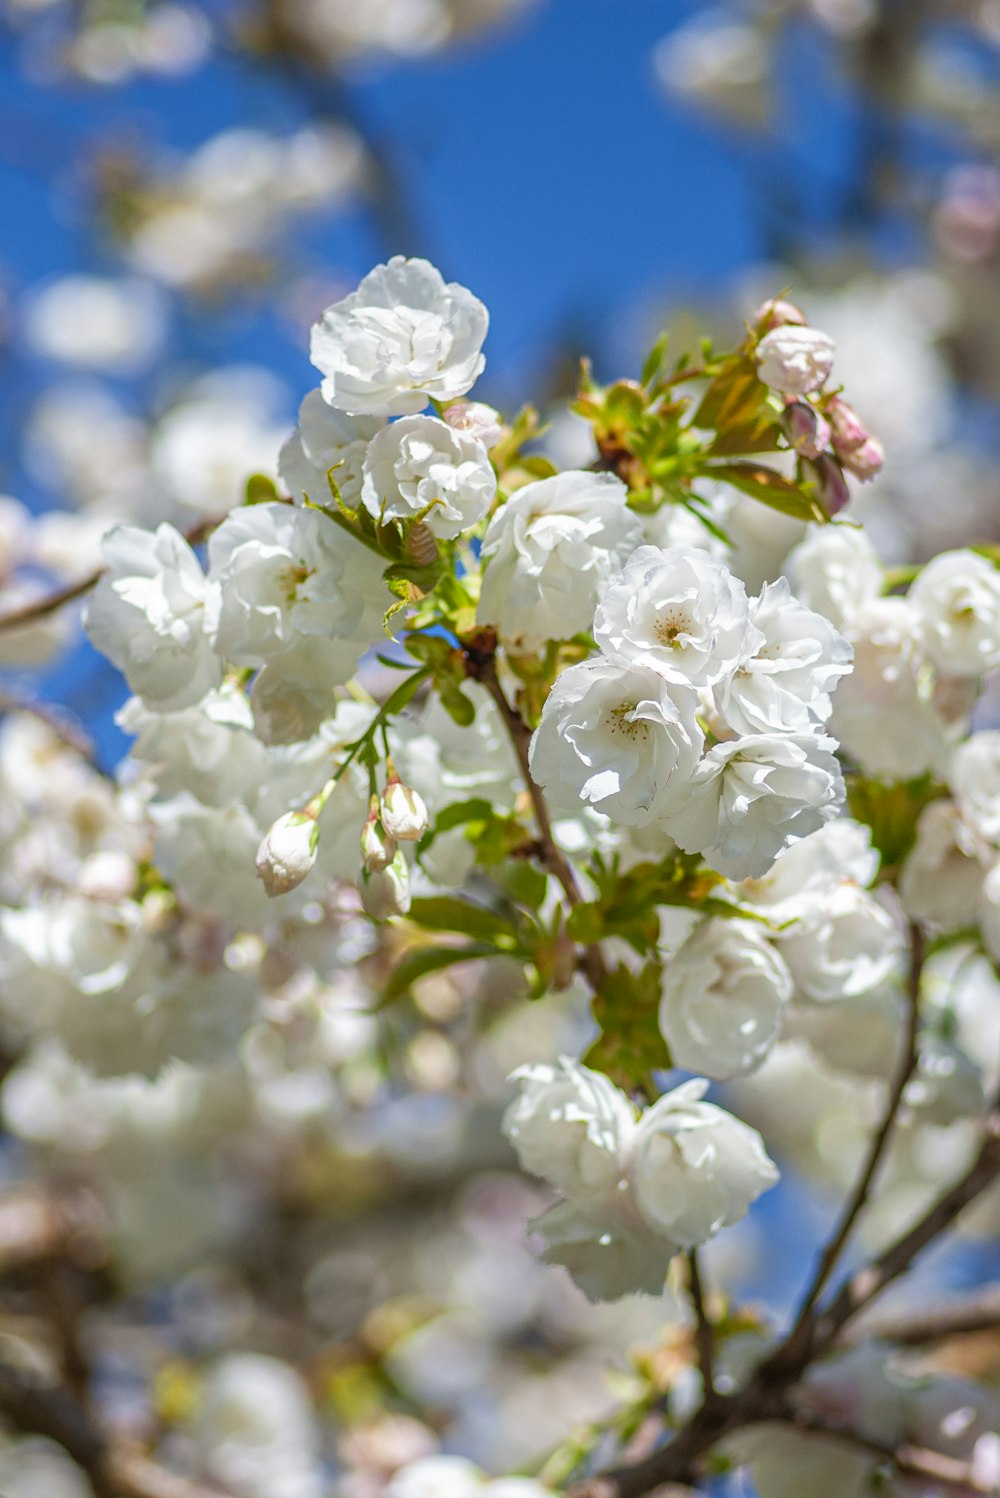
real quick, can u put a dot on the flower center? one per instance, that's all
(621, 721)
(671, 626)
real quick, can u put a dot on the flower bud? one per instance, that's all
(865, 462)
(805, 428)
(288, 852)
(831, 486)
(378, 849)
(849, 431)
(477, 420)
(404, 815)
(386, 892)
(776, 314)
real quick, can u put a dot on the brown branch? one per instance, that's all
(961, 1316)
(34, 1406)
(704, 1331)
(481, 664)
(905, 1460)
(40, 608)
(878, 1145)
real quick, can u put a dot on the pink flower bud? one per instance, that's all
(378, 848)
(476, 420)
(865, 462)
(776, 313)
(849, 431)
(831, 486)
(805, 428)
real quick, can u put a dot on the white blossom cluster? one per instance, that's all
(682, 646)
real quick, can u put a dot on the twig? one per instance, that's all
(962, 1316)
(36, 1407)
(39, 608)
(482, 666)
(704, 1331)
(858, 1198)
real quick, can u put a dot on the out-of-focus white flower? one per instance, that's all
(295, 588)
(805, 873)
(454, 1477)
(696, 1168)
(287, 853)
(286, 710)
(403, 337)
(974, 777)
(795, 359)
(419, 464)
(751, 797)
(153, 613)
(845, 945)
(942, 877)
(34, 1467)
(724, 995)
(835, 570)
(785, 685)
(226, 428)
(884, 712)
(94, 322)
(989, 912)
(208, 854)
(255, 1432)
(326, 442)
(678, 613)
(551, 551)
(616, 737)
(209, 749)
(956, 598)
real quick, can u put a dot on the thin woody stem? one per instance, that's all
(704, 1331)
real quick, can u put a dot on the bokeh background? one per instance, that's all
(183, 188)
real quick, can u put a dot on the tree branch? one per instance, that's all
(878, 1145)
(962, 1316)
(704, 1331)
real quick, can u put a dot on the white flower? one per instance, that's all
(845, 945)
(615, 737)
(551, 551)
(957, 602)
(455, 1477)
(835, 570)
(287, 853)
(785, 685)
(326, 442)
(295, 588)
(402, 338)
(794, 359)
(420, 464)
(570, 1125)
(749, 798)
(724, 994)
(989, 912)
(805, 873)
(884, 712)
(285, 709)
(942, 877)
(209, 749)
(255, 1431)
(152, 614)
(696, 1168)
(974, 777)
(208, 854)
(679, 613)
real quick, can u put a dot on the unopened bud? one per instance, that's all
(386, 892)
(795, 360)
(404, 815)
(849, 431)
(831, 486)
(776, 314)
(867, 461)
(378, 849)
(476, 420)
(806, 429)
(288, 852)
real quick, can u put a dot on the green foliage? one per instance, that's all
(891, 811)
(630, 1047)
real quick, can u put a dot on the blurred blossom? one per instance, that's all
(716, 59)
(92, 322)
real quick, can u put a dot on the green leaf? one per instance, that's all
(414, 965)
(653, 362)
(891, 811)
(768, 486)
(448, 913)
(260, 490)
(630, 1046)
